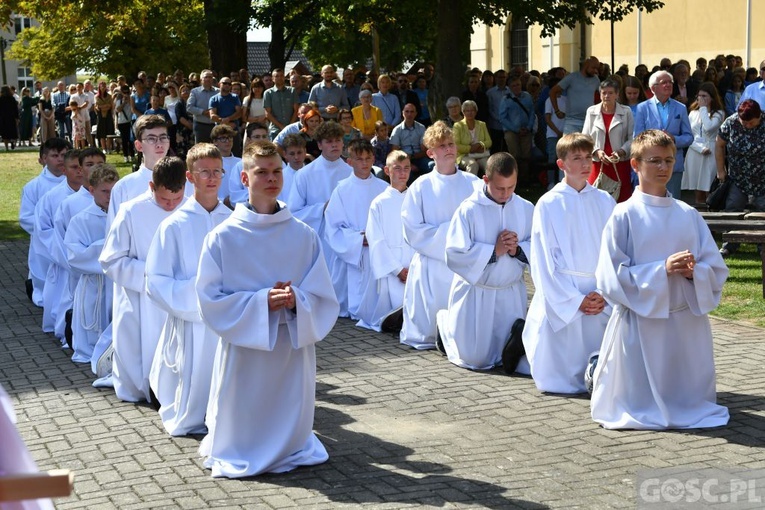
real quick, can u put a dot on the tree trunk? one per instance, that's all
(277, 48)
(227, 22)
(450, 70)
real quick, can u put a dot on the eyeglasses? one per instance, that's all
(206, 174)
(659, 162)
(222, 139)
(154, 140)
(664, 82)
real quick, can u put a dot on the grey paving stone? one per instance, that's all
(404, 429)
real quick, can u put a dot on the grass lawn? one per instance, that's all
(742, 296)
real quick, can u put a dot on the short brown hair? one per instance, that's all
(436, 134)
(169, 173)
(395, 156)
(501, 163)
(360, 146)
(574, 142)
(650, 138)
(146, 122)
(293, 140)
(329, 130)
(103, 172)
(222, 130)
(259, 149)
(202, 151)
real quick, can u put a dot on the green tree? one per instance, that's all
(111, 37)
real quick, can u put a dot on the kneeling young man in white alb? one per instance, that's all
(264, 288)
(182, 368)
(487, 247)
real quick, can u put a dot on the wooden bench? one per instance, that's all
(749, 236)
(735, 224)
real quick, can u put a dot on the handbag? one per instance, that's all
(718, 194)
(607, 184)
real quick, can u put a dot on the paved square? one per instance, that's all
(404, 429)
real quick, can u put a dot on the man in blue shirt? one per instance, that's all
(756, 90)
(516, 114)
(407, 136)
(329, 95)
(198, 105)
(225, 107)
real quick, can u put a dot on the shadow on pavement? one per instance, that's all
(363, 468)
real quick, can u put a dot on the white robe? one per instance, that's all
(260, 416)
(50, 248)
(31, 193)
(137, 321)
(426, 213)
(565, 242)
(288, 174)
(92, 296)
(312, 187)
(656, 367)
(237, 193)
(485, 298)
(15, 457)
(233, 167)
(182, 367)
(346, 219)
(388, 255)
(72, 205)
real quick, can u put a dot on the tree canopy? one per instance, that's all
(110, 37)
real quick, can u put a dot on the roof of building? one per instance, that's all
(259, 63)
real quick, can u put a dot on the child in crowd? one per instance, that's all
(237, 192)
(426, 213)
(49, 247)
(346, 219)
(71, 206)
(182, 367)
(389, 255)
(381, 143)
(157, 103)
(294, 160)
(487, 247)
(80, 121)
(222, 137)
(660, 269)
(52, 154)
(311, 190)
(268, 315)
(567, 315)
(84, 240)
(137, 321)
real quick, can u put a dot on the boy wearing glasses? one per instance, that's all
(152, 141)
(136, 321)
(268, 316)
(182, 367)
(660, 270)
(223, 138)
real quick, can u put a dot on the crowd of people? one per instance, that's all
(202, 281)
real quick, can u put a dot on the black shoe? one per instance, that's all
(393, 322)
(68, 328)
(439, 342)
(514, 350)
(30, 289)
(153, 401)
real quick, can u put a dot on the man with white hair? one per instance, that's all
(665, 114)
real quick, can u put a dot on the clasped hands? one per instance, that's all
(507, 242)
(682, 263)
(281, 296)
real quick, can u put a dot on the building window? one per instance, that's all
(519, 44)
(20, 23)
(25, 79)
